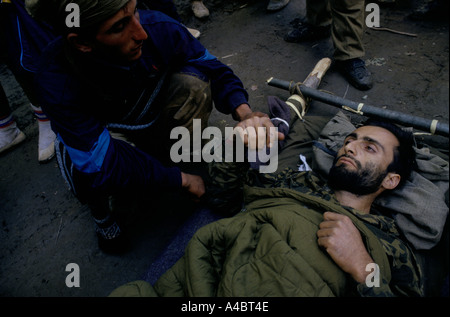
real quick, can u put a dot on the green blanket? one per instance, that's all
(270, 249)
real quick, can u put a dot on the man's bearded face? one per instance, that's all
(362, 163)
(362, 181)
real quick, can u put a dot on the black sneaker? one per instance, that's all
(307, 32)
(112, 239)
(355, 71)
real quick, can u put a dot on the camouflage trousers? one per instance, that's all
(184, 98)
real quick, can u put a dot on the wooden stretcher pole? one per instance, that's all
(297, 100)
(432, 126)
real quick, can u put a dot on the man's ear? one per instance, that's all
(78, 43)
(391, 181)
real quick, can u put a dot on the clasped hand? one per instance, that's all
(257, 130)
(341, 239)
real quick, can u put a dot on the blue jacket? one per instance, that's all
(80, 101)
(25, 38)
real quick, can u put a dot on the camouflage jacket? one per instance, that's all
(233, 187)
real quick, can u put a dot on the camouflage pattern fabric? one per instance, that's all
(225, 181)
(270, 248)
(401, 275)
(231, 188)
(268, 245)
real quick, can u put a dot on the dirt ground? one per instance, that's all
(43, 227)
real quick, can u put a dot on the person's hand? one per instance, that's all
(194, 184)
(256, 129)
(342, 241)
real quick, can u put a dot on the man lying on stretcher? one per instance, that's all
(298, 235)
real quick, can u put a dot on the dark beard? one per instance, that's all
(362, 182)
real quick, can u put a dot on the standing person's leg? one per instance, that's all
(318, 12)
(4, 103)
(199, 9)
(347, 29)
(46, 140)
(347, 33)
(24, 40)
(316, 25)
(10, 134)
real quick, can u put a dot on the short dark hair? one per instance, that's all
(404, 161)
